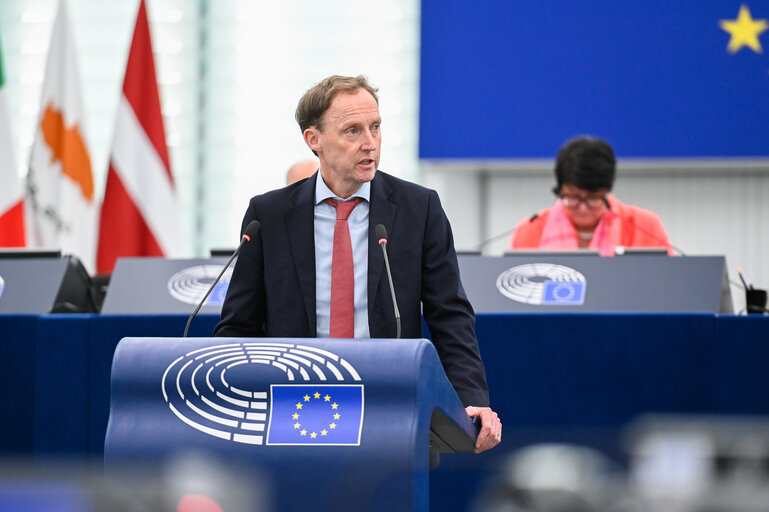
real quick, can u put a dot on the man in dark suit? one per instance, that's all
(281, 284)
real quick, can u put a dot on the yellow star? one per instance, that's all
(297, 425)
(744, 31)
(334, 405)
(306, 398)
(323, 432)
(327, 398)
(333, 425)
(296, 416)
(303, 432)
(316, 395)
(337, 416)
(299, 405)
(313, 435)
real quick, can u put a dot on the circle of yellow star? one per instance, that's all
(744, 31)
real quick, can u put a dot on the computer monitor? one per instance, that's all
(653, 251)
(550, 252)
(21, 253)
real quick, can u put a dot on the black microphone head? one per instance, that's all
(381, 232)
(252, 229)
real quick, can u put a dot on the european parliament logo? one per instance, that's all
(543, 284)
(190, 284)
(269, 393)
(316, 415)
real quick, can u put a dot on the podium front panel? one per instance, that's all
(550, 283)
(348, 419)
(165, 286)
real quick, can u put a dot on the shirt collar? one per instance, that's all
(322, 192)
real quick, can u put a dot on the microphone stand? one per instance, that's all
(250, 232)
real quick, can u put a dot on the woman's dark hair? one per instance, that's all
(585, 162)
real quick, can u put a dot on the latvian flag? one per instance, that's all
(138, 215)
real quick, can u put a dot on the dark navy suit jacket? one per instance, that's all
(272, 289)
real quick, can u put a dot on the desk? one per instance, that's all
(558, 369)
(552, 377)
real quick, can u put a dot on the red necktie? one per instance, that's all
(342, 273)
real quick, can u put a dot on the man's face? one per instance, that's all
(348, 146)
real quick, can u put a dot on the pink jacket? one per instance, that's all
(623, 225)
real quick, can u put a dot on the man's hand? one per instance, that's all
(491, 428)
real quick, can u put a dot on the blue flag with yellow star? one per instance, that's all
(657, 79)
(315, 415)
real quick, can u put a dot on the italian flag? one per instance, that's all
(11, 196)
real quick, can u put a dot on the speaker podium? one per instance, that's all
(332, 424)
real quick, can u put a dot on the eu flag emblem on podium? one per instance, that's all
(571, 293)
(324, 414)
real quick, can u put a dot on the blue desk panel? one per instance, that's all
(585, 370)
(562, 378)
(597, 369)
(17, 383)
(742, 358)
(61, 384)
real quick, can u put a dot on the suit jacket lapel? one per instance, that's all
(381, 211)
(300, 227)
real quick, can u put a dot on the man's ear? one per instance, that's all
(311, 138)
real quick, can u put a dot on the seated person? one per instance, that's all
(301, 170)
(586, 215)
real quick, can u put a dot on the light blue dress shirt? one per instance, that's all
(325, 219)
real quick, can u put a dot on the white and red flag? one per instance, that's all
(11, 195)
(138, 215)
(60, 205)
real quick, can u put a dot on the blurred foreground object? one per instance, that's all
(675, 463)
(700, 463)
(185, 483)
(554, 478)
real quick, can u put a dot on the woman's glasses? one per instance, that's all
(571, 202)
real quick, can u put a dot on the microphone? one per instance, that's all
(641, 229)
(381, 234)
(251, 230)
(507, 233)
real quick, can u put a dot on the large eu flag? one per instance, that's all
(315, 415)
(506, 79)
